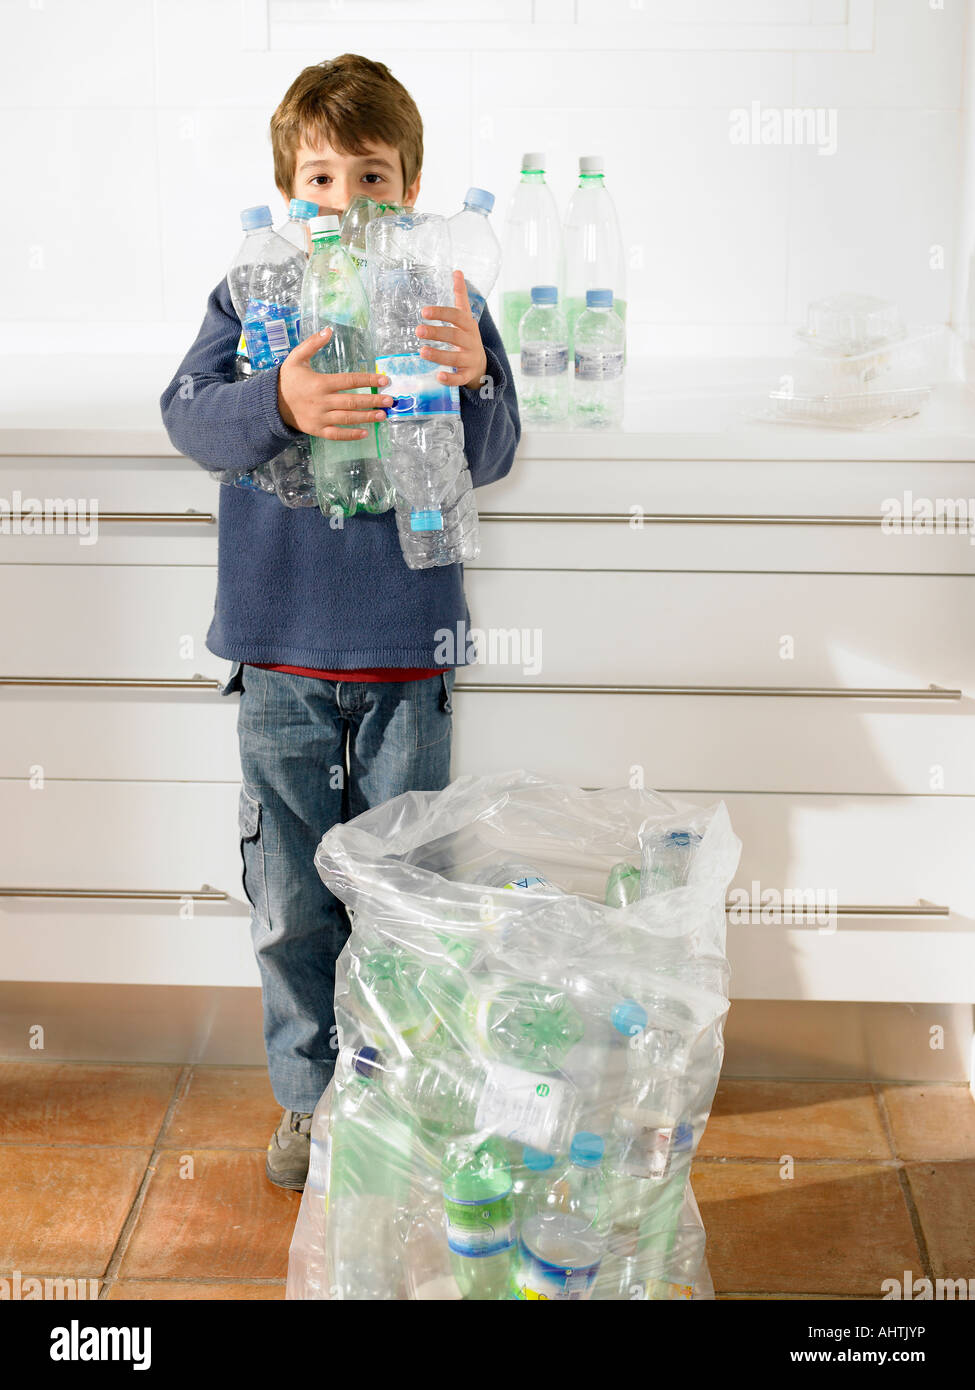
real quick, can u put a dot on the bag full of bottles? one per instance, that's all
(530, 1010)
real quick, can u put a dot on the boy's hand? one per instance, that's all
(469, 361)
(313, 402)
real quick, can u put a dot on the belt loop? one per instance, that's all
(445, 704)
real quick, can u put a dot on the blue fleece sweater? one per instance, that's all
(291, 588)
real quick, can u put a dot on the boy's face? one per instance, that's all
(331, 179)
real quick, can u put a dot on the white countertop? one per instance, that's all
(679, 408)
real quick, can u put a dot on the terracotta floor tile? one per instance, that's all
(178, 1290)
(944, 1194)
(833, 1228)
(224, 1108)
(807, 1119)
(73, 1103)
(932, 1122)
(63, 1209)
(227, 1221)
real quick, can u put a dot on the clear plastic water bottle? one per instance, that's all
(667, 856)
(533, 1184)
(521, 876)
(356, 218)
(593, 245)
(295, 226)
(476, 249)
(559, 1257)
(480, 1219)
(273, 309)
(347, 472)
(652, 1103)
(388, 994)
(422, 439)
(368, 1164)
(264, 254)
(543, 394)
(532, 247)
(450, 1093)
(642, 1217)
(597, 385)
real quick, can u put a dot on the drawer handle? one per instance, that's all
(686, 518)
(196, 518)
(205, 894)
(933, 692)
(116, 682)
(920, 909)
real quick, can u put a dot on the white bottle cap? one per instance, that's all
(591, 164)
(324, 224)
(533, 160)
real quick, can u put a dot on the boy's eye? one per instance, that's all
(320, 179)
(377, 178)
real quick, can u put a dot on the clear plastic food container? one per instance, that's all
(917, 359)
(846, 410)
(852, 323)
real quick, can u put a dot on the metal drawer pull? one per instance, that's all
(206, 518)
(205, 894)
(921, 909)
(686, 518)
(933, 692)
(116, 682)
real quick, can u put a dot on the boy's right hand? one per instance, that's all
(314, 403)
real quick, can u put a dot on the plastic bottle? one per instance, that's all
(392, 999)
(512, 875)
(597, 385)
(525, 1024)
(532, 247)
(623, 885)
(476, 249)
(650, 1109)
(543, 394)
(559, 1258)
(451, 1093)
(368, 1182)
(533, 1183)
(480, 1219)
(667, 856)
(295, 226)
(347, 472)
(592, 243)
(267, 264)
(422, 439)
(356, 218)
(643, 1216)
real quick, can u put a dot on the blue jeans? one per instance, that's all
(313, 753)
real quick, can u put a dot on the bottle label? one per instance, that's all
(477, 302)
(541, 1279)
(270, 332)
(479, 1229)
(520, 1105)
(544, 359)
(242, 345)
(598, 366)
(414, 387)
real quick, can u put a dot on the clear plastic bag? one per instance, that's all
(525, 1067)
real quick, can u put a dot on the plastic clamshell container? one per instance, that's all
(917, 359)
(849, 410)
(852, 323)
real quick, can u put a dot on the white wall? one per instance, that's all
(134, 130)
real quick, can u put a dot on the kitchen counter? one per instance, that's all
(681, 408)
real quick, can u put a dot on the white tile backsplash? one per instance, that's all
(146, 128)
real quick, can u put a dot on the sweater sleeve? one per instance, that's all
(492, 427)
(210, 417)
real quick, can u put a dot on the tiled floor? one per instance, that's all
(150, 1179)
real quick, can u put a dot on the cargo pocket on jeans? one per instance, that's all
(433, 707)
(252, 856)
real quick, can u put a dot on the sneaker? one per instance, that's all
(289, 1150)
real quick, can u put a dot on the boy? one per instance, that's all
(333, 638)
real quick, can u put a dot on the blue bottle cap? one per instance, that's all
(684, 838)
(536, 1160)
(426, 521)
(586, 1150)
(300, 207)
(256, 217)
(629, 1018)
(599, 299)
(366, 1061)
(479, 198)
(545, 294)
(683, 1136)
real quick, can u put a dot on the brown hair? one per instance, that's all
(348, 101)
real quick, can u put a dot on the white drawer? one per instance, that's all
(853, 631)
(746, 743)
(168, 837)
(140, 486)
(103, 620)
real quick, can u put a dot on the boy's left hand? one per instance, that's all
(469, 361)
